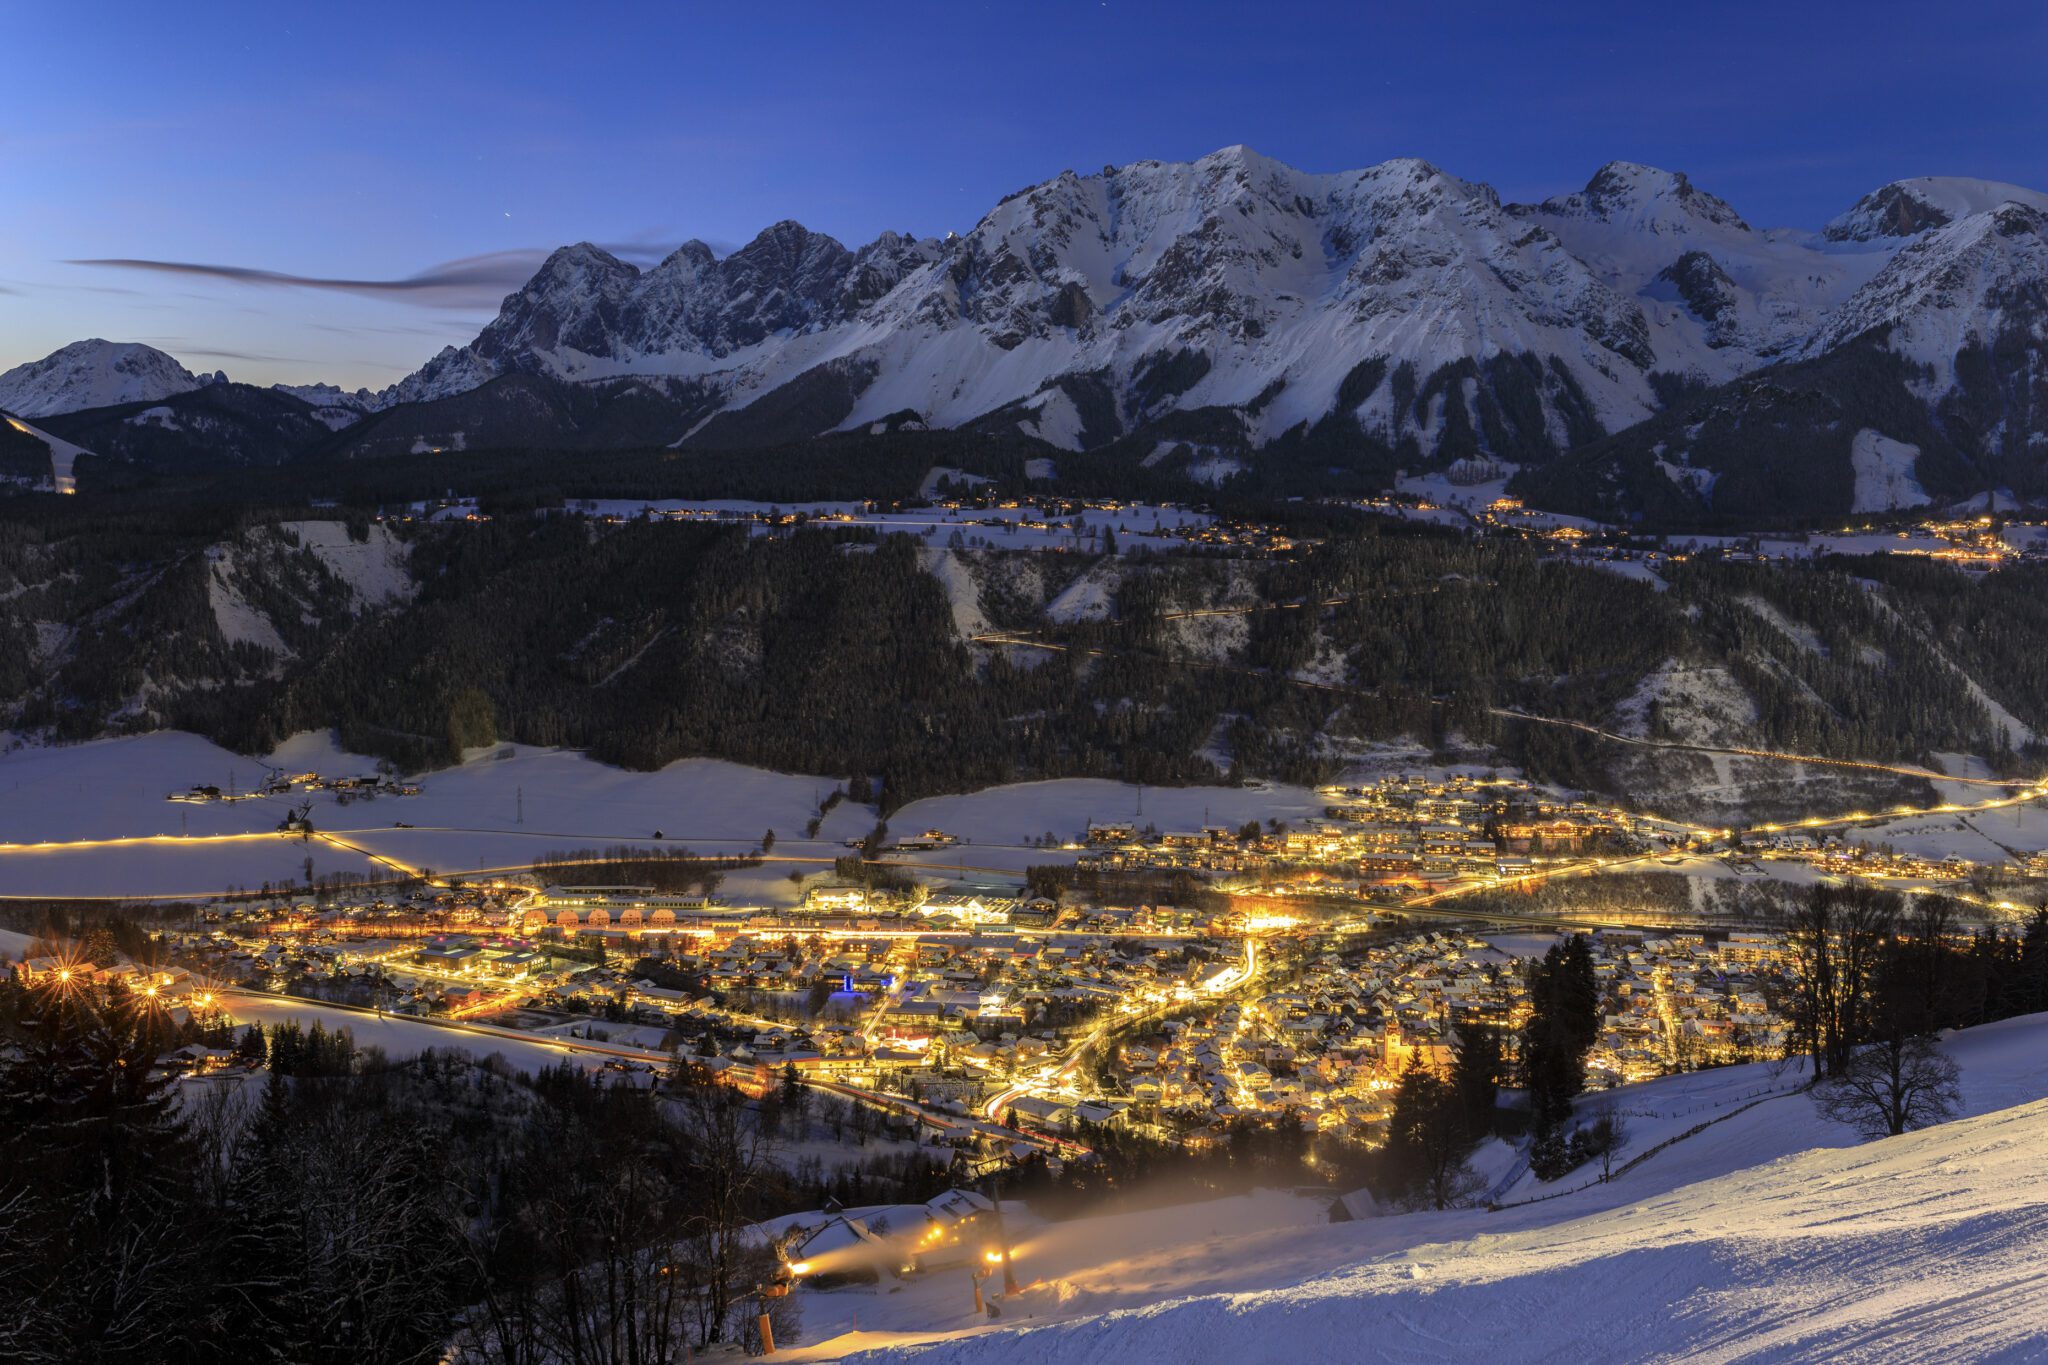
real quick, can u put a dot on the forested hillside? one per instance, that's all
(833, 651)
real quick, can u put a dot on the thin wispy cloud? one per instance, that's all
(453, 327)
(469, 282)
(24, 288)
(253, 357)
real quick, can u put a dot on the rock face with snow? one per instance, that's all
(1907, 208)
(1235, 302)
(1973, 284)
(588, 315)
(94, 374)
(335, 406)
(1915, 323)
(1402, 300)
(1719, 297)
(1205, 311)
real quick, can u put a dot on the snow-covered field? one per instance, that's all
(1771, 1235)
(92, 819)
(172, 869)
(1064, 806)
(506, 806)
(401, 1037)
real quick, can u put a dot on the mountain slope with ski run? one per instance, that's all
(1771, 1235)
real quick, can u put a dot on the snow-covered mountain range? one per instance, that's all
(1399, 298)
(1221, 306)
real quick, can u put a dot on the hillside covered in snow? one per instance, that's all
(93, 374)
(1768, 1235)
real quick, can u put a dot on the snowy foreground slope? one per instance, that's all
(1769, 1236)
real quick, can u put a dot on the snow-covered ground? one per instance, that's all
(1626, 568)
(1064, 806)
(1091, 597)
(402, 1037)
(506, 805)
(374, 567)
(1438, 488)
(1770, 1235)
(962, 594)
(1884, 471)
(92, 819)
(172, 869)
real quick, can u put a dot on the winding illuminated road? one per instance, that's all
(1052, 1080)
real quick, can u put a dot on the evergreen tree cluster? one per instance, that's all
(361, 1210)
(837, 651)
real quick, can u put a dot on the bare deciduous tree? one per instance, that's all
(1838, 939)
(1606, 1135)
(729, 1153)
(1892, 1087)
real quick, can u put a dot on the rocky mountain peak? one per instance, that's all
(692, 255)
(1910, 208)
(583, 260)
(1653, 199)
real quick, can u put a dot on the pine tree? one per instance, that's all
(1423, 1162)
(793, 1095)
(1564, 1023)
(1550, 1154)
(1577, 998)
(1476, 1064)
(262, 1283)
(2031, 979)
(94, 1163)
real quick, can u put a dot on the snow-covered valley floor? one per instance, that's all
(1772, 1235)
(508, 806)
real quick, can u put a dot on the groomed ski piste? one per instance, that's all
(1770, 1234)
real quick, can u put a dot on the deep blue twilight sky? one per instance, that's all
(375, 142)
